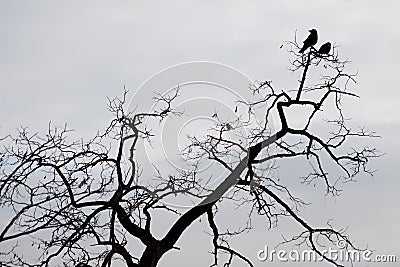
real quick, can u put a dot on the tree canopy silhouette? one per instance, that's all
(83, 202)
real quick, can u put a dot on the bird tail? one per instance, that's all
(302, 50)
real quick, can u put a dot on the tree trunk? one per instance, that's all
(151, 257)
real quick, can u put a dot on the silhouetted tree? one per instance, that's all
(82, 203)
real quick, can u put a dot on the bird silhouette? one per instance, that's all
(310, 41)
(325, 48)
(252, 154)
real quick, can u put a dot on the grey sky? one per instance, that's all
(59, 60)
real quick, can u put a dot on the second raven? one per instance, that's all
(325, 48)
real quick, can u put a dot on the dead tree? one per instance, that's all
(81, 202)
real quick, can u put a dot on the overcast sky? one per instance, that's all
(59, 60)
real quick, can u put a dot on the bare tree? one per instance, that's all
(83, 202)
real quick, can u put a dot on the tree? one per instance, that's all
(82, 202)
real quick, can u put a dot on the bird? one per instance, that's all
(325, 48)
(252, 154)
(310, 41)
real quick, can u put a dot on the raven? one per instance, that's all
(310, 41)
(325, 48)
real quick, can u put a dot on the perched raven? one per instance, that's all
(252, 154)
(325, 48)
(310, 41)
